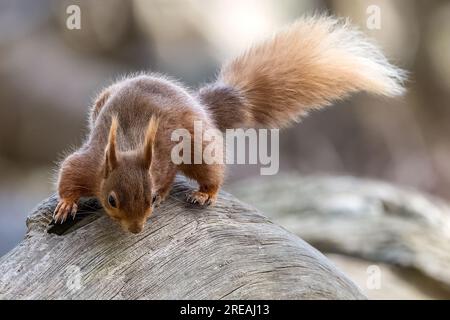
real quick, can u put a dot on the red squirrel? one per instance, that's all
(126, 160)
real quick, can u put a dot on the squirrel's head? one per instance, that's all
(126, 188)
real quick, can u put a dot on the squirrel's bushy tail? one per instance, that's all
(305, 66)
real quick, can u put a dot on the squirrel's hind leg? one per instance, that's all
(209, 179)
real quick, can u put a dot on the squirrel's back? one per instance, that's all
(134, 100)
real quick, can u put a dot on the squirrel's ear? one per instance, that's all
(149, 141)
(111, 149)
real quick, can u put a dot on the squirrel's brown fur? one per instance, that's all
(126, 160)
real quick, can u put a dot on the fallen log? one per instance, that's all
(229, 251)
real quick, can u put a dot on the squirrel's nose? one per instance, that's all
(136, 228)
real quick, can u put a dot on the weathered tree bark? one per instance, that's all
(361, 218)
(225, 252)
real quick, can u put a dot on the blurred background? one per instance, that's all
(50, 74)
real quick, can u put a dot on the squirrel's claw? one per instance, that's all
(159, 197)
(191, 199)
(57, 209)
(156, 200)
(74, 211)
(200, 198)
(63, 209)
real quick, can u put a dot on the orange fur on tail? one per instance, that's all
(306, 66)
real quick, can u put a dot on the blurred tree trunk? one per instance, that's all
(371, 221)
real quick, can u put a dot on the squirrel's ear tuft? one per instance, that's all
(149, 141)
(111, 148)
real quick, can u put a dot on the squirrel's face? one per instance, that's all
(126, 193)
(126, 188)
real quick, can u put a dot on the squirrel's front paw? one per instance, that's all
(157, 199)
(63, 209)
(201, 198)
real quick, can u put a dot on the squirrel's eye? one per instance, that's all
(112, 201)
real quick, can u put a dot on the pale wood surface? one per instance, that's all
(225, 252)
